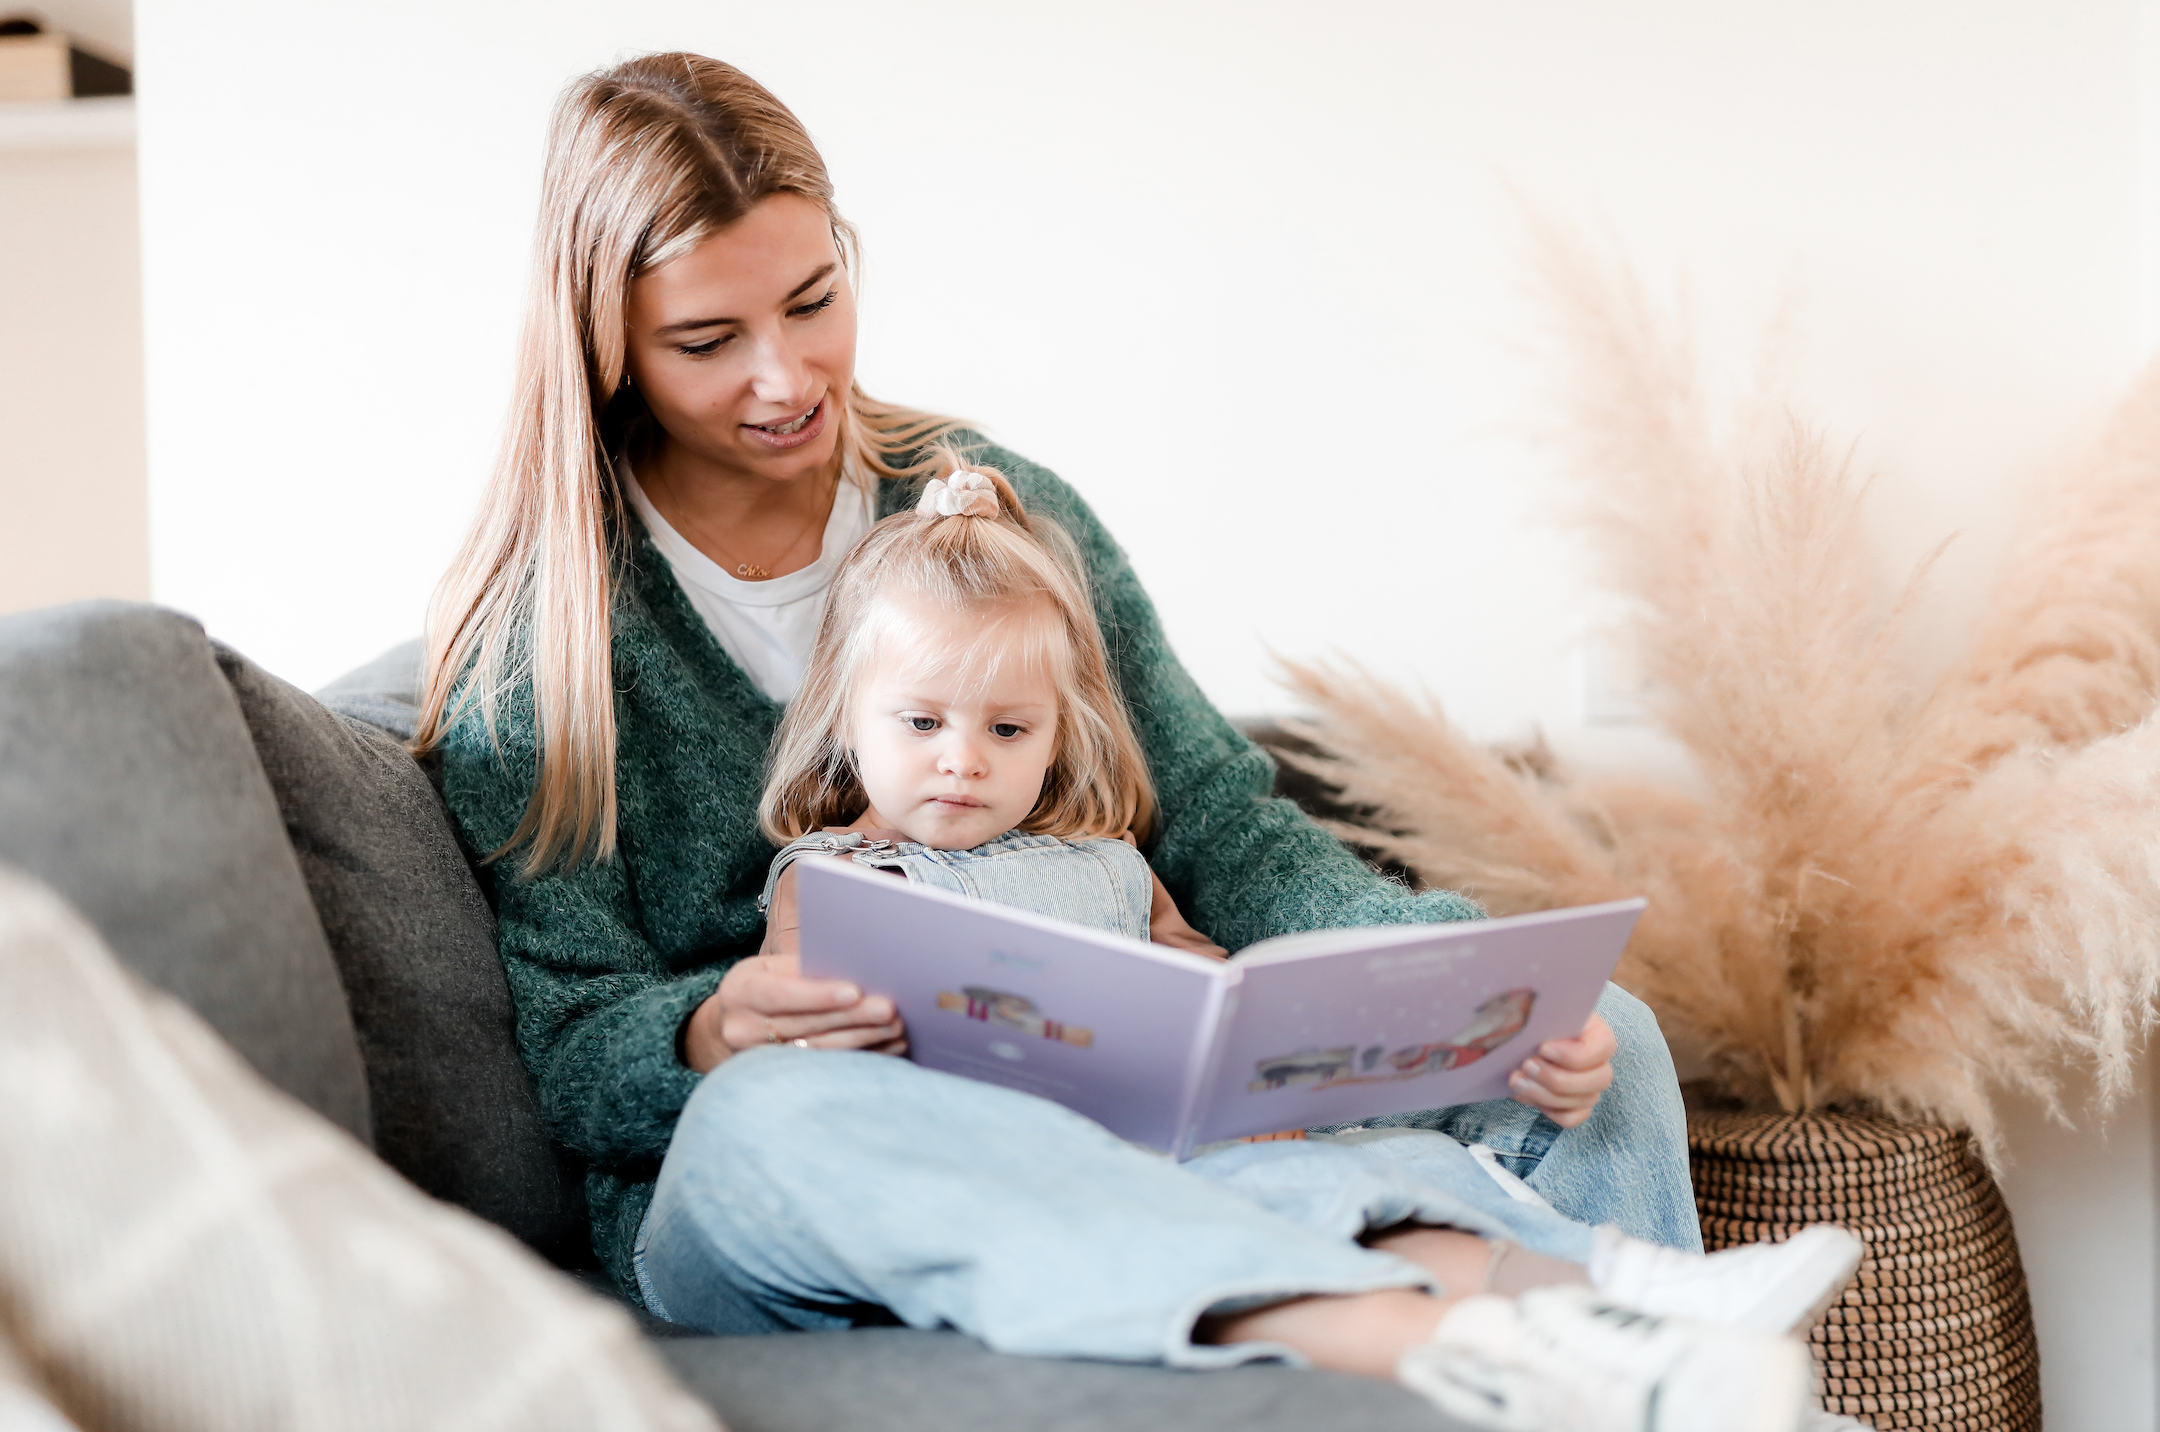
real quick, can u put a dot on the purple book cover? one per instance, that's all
(1170, 1049)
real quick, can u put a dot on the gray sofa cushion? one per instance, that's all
(901, 1380)
(385, 693)
(455, 1110)
(129, 783)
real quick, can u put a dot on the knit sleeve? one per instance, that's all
(1242, 865)
(598, 1009)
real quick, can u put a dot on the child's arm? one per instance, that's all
(1166, 926)
(783, 922)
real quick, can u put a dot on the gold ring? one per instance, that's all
(772, 1035)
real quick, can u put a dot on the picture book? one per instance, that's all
(1173, 1050)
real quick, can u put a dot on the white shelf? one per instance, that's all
(105, 123)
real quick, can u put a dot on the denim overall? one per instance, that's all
(1097, 882)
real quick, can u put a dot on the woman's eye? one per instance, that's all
(699, 350)
(832, 296)
(1006, 730)
(922, 723)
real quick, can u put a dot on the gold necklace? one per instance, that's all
(752, 571)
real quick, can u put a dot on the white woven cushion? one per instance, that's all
(24, 1406)
(182, 1247)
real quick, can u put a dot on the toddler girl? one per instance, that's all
(959, 726)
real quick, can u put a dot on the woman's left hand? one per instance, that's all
(1564, 1078)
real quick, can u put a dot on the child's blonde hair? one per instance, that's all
(1097, 784)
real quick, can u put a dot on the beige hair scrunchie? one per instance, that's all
(964, 494)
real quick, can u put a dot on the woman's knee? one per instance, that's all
(1642, 1053)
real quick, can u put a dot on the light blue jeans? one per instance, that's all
(819, 1189)
(1626, 1165)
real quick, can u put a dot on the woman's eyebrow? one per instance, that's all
(797, 290)
(668, 330)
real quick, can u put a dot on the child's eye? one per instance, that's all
(922, 723)
(1006, 730)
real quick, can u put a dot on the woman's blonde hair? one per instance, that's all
(645, 161)
(1097, 783)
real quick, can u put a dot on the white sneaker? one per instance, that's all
(1763, 1288)
(1562, 1359)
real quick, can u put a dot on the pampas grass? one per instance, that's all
(1884, 893)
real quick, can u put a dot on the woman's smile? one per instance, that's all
(793, 432)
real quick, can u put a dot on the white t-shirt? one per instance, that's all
(768, 627)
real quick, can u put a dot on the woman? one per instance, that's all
(608, 657)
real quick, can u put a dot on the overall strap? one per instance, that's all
(818, 842)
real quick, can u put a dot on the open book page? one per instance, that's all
(1338, 1025)
(1109, 1027)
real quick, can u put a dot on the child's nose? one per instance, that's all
(963, 758)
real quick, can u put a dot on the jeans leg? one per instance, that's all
(806, 1186)
(1360, 1179)
(1627, 1164)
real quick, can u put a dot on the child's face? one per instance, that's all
(947, 756)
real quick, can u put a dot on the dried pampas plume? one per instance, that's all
(1880, 896)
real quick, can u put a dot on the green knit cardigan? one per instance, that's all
(606, 961)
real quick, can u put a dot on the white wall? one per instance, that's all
(74, 517)
(73, 510)
(1200, 256)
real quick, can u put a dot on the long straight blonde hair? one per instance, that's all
(644, 162)
(1097, 783)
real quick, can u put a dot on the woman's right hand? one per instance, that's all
(765, 1000)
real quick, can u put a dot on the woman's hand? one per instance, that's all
(765, 1000)
(1564, 1078)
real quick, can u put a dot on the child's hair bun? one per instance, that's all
(964, 494)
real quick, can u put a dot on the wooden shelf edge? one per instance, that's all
(107, 123)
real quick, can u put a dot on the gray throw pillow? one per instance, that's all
(455, 1109)
(129, 784)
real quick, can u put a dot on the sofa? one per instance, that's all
(279, 863)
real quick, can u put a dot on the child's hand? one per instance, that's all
(1564, 1078)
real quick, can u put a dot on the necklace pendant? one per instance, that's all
(750, 571)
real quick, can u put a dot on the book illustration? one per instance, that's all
(1496, 1021)
(1018, 1011)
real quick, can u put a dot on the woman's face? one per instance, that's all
(743, 346)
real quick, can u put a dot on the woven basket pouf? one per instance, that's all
(1937, 1329)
